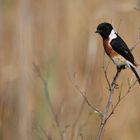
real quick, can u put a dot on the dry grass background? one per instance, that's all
(58, 36)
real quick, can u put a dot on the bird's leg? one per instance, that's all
(122, 67)
(114, 85)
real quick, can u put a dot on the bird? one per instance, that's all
(116, 48)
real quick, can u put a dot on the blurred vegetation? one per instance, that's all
(58, 36)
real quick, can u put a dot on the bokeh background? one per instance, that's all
(48, 46)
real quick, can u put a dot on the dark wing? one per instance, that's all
(121, 48)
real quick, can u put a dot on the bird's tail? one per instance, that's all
(136, 74)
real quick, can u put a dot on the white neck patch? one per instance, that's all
(112, 35)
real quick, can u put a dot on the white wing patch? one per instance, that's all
(112, 35)
(129, 63)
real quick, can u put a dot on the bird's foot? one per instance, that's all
(114, 85)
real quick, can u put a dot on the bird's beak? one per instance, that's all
(97, 31)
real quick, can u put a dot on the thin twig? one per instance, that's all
(73, 128)
(107, 108)
(83, 94)
(120, 99)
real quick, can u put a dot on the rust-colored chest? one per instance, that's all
(110, 52)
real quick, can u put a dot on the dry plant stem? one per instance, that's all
(37, 70)
(73, 127)
(121, 98)
(83, 94)
(108, 105)
(116, 105)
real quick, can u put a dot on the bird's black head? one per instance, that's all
(104, 29)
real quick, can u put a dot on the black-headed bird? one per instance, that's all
(116, 48)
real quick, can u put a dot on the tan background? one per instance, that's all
(58, 36)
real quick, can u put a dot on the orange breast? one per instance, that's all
(110, 52)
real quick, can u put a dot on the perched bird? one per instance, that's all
(116, 48)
